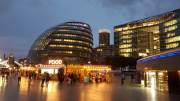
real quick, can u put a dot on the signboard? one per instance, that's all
(56, 62)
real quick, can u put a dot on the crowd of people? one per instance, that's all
(72, 78)
(5, 75)
(96, 77)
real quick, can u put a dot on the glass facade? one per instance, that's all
(170, 33)
(147, 36)
(71, 41)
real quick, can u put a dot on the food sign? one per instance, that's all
(56, 62)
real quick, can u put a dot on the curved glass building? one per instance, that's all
(148, 36)
(70, 41)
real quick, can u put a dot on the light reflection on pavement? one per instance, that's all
(55, 91)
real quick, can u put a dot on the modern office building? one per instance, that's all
(95, 56)
(105, 51)
(104, 37)
(70, 41)
(148, 36)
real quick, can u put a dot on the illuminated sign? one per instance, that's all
(57, 62)
(80, 24)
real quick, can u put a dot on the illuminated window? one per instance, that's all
(143, 54)
(117, 29)
(125, 54)
(125, 50)
(125, 46)
(126, 32)
(172, 22)
(102, 44)
(71, 35)
(68, 46)
(126, 36)
(64, 52)
(68, 40)
(170, 28)
(173, 39)
(155, 47)
(127, 41)
(156, 38)
(64, 30)
(173, 45)
(57, 39)
(80, 32)
(147, 50)
(170, 34)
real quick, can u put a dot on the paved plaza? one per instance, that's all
(32, 91)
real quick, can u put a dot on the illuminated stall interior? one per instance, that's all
(97, 68)
(51, 69)
(156, 80)
(86, 69)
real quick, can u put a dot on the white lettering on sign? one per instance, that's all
(57, 62)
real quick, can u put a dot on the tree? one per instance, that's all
(120, 61)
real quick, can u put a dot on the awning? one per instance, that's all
(48, 67)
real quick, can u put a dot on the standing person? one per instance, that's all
(96, 78)
(26, 73)
(43, 79)
(132, 79)
(7, 74)
(19, 77)
(3, 75)
(72, 78)
(69, 78)
(122, 78)
(15, 73)
(47, 78)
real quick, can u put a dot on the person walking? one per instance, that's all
(132, 79)
(19, 77)
(47, 78)
(30, 74)
(43, 79)
(122, 78)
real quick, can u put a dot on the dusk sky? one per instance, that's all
(22, 21)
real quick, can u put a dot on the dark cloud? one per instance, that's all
(138, 9)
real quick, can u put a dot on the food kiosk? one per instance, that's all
(51, 68)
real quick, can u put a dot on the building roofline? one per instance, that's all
(152, 18)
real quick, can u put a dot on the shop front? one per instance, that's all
(160, 71)
(51, 67)
(89, 71)
(155, 80)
